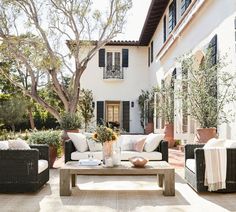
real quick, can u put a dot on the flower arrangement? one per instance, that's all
(104, 134)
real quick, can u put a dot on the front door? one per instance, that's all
(113, 113)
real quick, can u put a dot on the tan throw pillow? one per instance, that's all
(18, 144)
(138, 145)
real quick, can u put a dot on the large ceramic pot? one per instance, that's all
(52, 155)
(149, 128)
(205, 134)
(169, 134)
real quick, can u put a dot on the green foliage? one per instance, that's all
(165, 102)
(86, 106)
(208, 89)
(70, 121)
(148, 97)
(50, 137)
(13, 111)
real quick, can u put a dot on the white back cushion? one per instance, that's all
(153, 141)
(4, 145)
(94, 146)
(18, 144)
(230, 143)
(79, 141)
(214, 142)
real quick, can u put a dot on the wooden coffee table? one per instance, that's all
(165, 174)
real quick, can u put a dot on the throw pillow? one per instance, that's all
(153, 141)
(4, 145)
(79, 141)
(214, 142)
(94, 146)
(18, 144)
(138, 145)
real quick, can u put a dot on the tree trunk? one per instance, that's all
(31, 118)
(13, 128)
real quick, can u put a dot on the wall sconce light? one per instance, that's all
(132, 104)
(93, 104)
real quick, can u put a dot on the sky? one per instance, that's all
(135, 20)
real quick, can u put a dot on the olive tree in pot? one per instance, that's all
(69, 123)
(209, 88)
(50, 137)
(165, 110)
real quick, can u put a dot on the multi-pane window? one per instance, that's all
(172, 15)
(184, 5)
(164, 28)
(113, 59)
(151, 51)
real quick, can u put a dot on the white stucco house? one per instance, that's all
(172, 28)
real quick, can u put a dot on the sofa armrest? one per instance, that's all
(43, 150)
(189, 150)
(69, 148)
(163, 148)
(19, 165)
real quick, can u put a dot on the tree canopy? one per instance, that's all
(35, 36)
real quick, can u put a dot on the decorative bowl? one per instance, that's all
(138, 161)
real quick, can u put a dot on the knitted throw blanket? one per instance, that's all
(216, 165)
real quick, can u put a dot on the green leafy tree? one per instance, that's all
(86, 107)
(36, 36)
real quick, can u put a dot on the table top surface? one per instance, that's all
(125, 165)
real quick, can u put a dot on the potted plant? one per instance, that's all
(208, 89)
(146, 105)
(70, 122)
(50, 137)
(165, 110)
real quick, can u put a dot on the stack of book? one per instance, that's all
(89, 162)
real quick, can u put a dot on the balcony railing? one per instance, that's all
(113, 72)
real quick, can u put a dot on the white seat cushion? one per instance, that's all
(4, 145)
(125, 155)
(191, 164)
(42, 165)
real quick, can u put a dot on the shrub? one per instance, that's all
(70, 121)
(50, 137)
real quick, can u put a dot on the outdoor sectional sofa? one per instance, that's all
(160, 153)
(24, 170)
(195, 168)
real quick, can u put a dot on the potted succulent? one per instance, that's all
(208, 90)
(50, 137)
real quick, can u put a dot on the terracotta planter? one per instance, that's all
(205, 134)
(52, 155)
(149, 128)
(169, 134)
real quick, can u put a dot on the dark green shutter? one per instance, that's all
(126, 115)
(151, 51)
(164, 28)
(101, 57)
(148, 56)
(125, 57)
(213, 48)
(100, 112)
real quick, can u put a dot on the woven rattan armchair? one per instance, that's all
(19, 169)
(195, 178)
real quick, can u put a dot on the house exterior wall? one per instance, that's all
(128, 89)
(212, 17)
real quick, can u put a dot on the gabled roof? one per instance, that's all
(153, 18)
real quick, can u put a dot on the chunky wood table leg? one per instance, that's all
(160, 179)
(65, 184)
(73, 180)
(169, 183)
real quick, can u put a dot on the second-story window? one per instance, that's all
(164, 28)
(113, 63)
(184, 5)
(172, 15)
